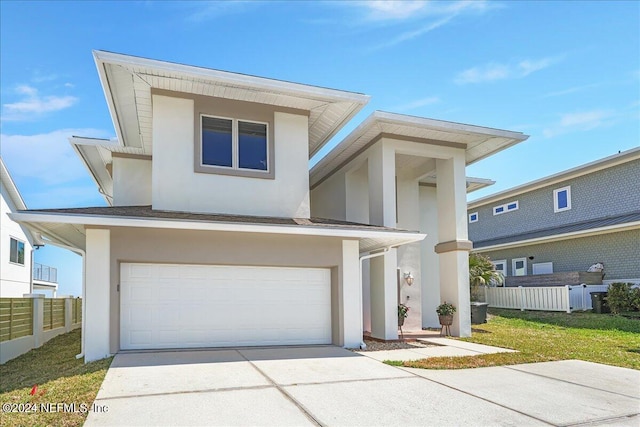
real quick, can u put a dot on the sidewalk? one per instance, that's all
(443, 347)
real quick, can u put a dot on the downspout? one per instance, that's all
(83, 254)
(31, 274)
(362, 258)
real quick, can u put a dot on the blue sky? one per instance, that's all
(566, 73)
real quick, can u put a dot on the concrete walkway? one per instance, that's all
(330, 386)
(443, 347)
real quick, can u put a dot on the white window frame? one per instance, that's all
(235, 145)
(504, 263)
(505, 208)
(24, 246)
(556, 209)
(541, 265)
(473, 220)
(513, 266)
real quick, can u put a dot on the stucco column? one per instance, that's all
(383, 269)
(97, 296)
(351, 295)
(454, 246)
(430, 273)
(38, 318)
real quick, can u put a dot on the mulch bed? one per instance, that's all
(373, 345)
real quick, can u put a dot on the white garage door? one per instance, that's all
(182, 306)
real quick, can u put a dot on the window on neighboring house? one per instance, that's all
(473, 217)
(519, 266)
(16, 251)
(234, 144)
(501, 266)
(562, 199)
(507, 207)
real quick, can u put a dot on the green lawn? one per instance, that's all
(545, 336)
(61, 378)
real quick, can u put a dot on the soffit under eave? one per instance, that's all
(131, 93)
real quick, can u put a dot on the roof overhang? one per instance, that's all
(478, 142)
(607, 162)
(559, 237)
(69, 229)
(473, 184)
(15, 196)
(127, 82)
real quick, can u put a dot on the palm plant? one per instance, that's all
(482, 273)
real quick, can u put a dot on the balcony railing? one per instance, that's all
(45, 273)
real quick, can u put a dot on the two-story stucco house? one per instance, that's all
(213, 235)
(565, 222)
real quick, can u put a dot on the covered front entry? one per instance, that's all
(186, 306)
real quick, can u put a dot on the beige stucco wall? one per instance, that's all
(177, 186)
(131, 181)
(223, 248)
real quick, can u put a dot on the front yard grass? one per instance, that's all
(547, 336)
(60, 377)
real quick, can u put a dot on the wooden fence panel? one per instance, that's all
(16, 318)
(57, 313)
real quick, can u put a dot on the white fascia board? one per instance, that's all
(91, 168)
(585, 169)
(424, 122)
(558, 237)
(11, 187)
(298, 89)
(104, 82)
(108, 221)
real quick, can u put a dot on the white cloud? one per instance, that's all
(417, 104)
(34, 104)
(425, 16)
(47, 157)
(495, 71)
(579, 122)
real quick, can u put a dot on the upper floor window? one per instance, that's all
(233, 144)
(562, 199)
(473, 217)
(507, 207)
(16, 251)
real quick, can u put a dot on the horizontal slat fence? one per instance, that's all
(16, 318)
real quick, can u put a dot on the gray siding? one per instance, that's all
(611, 191)
(620, 253)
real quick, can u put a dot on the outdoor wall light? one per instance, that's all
(408, 277)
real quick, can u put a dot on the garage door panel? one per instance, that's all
(174, 306)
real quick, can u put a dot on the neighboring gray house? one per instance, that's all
(565, 222)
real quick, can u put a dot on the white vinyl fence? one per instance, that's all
(546, 298)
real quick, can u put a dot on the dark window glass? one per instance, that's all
(519, 265)
(16, 251)
(500, 209)
(217, 142)
(511, 206)
(252, 146)
(562, 199)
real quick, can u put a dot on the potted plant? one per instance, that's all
(445, 313)
(482, 273)
(403, 312)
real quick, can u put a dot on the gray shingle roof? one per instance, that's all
(563, 229)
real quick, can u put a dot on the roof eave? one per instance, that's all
(387, 238)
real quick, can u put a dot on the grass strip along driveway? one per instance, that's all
(547, 336)
(61, 380)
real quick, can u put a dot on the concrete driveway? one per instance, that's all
(325, 385)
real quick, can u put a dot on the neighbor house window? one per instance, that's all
(501, 267)
(473, 217)
(519, 266)
(234, 144)
(16, 251)
(562, 199)
(507, 207)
